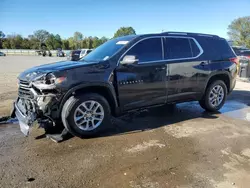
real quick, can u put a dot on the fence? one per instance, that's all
(27, 52)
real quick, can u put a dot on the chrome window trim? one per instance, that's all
(195, 41)
(163, 50)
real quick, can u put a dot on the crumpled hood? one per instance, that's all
(34, 72)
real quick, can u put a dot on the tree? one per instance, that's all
(89, 42)
(65, 44)
(96, 42)
(34, 42)
(26, 44)
(2, 35)
(239, 31)
(84, 43)
(6, 44)
(123, 31)
(71, 43)
(13, 42)
(104, 39)
(41, 35)
(54, 42)
(78, 36)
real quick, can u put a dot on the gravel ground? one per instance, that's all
(165, 147)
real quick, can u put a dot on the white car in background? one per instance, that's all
(84, 52)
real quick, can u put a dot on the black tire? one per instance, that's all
(205, 104)
(68, 115)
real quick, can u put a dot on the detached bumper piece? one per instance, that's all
(25, 122)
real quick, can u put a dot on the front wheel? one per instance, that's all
(215, 96)
(86, 115)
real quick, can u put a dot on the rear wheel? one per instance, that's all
(87, 115)
(215, 96)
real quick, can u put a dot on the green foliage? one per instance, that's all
(123, 31)
(6, 44)
(41, 35)
(54, 41)
(34, 42)
(239, 31)
(65, 44)
(2, 35)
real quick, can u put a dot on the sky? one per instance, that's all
(104, 17)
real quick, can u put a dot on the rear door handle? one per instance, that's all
(160, 68)
(203, 63)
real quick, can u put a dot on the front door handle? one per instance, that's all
(160, 68)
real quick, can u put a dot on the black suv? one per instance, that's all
(124, 74)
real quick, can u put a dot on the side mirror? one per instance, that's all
(129, 59)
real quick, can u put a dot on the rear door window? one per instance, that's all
(147, 50)
(178, 48)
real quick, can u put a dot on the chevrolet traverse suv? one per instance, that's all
(127, 73)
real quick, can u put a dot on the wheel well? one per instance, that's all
(223, 77)
(103, 91)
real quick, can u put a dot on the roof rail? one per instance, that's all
(186, 33)
(176, 33)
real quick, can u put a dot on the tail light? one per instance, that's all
(235, 60)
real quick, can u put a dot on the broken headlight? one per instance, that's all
(48, 81)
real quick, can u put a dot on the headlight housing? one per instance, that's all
(48, 81)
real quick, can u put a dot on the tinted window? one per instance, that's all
(223, 48)
(215, 48)
(147, 50)
(177, 48)
(194, 47)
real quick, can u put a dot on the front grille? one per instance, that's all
(24, 90)
(24, 84)
(25, 93)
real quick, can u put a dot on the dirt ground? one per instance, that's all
(180, 147)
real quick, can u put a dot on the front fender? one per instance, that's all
(72, 91)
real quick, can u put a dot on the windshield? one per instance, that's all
(108, 49)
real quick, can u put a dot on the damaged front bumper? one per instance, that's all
(37, 107)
